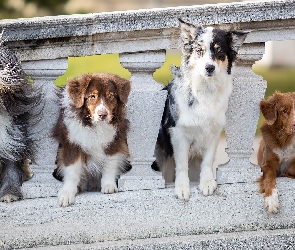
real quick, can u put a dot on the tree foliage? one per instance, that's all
(17, 9)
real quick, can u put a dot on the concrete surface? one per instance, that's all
(234, 217)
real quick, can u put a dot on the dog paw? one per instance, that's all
(207, 187)
(66, 197)
(271, 202)
(109, 188)
(182, 192)
(182, 189)
(10, 198)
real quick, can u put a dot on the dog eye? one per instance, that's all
(200, 51)
(285, 111)
(92, 96)
(188, 47)
(219, 51)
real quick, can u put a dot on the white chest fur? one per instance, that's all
(287, 153)
(207, 114)
(91, 139)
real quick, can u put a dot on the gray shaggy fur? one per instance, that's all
(19, 113)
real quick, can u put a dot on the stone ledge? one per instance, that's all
(261, 239)
(147, 214)
(89, 24)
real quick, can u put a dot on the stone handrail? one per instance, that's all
(141, 37)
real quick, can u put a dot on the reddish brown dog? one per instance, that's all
(276, 153)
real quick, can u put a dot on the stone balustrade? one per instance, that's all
(141, 37)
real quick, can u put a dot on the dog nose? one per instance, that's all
(102, 115)
(210, 68)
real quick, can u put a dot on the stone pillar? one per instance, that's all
(144, 111)
(44, 73)
(242, 117)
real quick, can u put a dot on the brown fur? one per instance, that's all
(27, 171)
(67, 152)
(277, 134)
(87, 92)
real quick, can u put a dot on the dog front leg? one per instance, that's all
(271, 195)
(181, 150)
(207, 182)
(71, 180)
(108, 179)
(11, 181)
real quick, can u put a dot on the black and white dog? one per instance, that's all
(194, 113)
(19, 102)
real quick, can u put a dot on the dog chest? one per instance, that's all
(93, 139)
(204, 115)
(287, 153)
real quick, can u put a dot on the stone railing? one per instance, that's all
(141, 37)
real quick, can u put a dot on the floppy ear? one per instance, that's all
(123, 86)
(238, 37)
(269, 109)
(77, 88)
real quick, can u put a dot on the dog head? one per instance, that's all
(278, 110)
(99, 97)
(213, 50)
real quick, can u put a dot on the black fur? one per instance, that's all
(19, 108)
(168, 121)
(224, 40)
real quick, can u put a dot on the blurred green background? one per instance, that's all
(110, 63)
(278, 78)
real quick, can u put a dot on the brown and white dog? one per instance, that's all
(276, 153)
(92, 134)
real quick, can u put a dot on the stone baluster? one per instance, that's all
(44, 73)
(144, 111)
(242, 117)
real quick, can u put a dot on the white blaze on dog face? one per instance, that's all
(204, 56)
(102, 102)
(101, 112)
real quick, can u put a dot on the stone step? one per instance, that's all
(262, 239)
(146, 219)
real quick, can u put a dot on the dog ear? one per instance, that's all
(123, 87)
(188, 31)
(269, 110)
(238, 37)
(77, 88)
